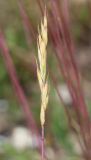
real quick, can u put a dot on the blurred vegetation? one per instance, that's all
(10, 153)
(56, 124)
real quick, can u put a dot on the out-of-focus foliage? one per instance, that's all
(56, 123)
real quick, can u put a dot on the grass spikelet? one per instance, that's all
(42, 73)
(41, 68)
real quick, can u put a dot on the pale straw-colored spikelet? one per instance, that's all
(41, 68)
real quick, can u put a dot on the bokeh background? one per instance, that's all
(16, 141)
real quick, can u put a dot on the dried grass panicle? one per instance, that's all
(41, 68)
(59, 33)
(63, 43)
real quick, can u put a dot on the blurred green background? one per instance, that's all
(60, 142)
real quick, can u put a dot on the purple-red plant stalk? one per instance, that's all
(28, 27)
(18, 89)
(42, 144)
(60, 36)
(59, 30)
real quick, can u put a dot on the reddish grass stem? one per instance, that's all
(42, 147)
(28, 27)
(18, 89)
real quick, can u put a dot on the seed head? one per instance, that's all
(41, 68)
